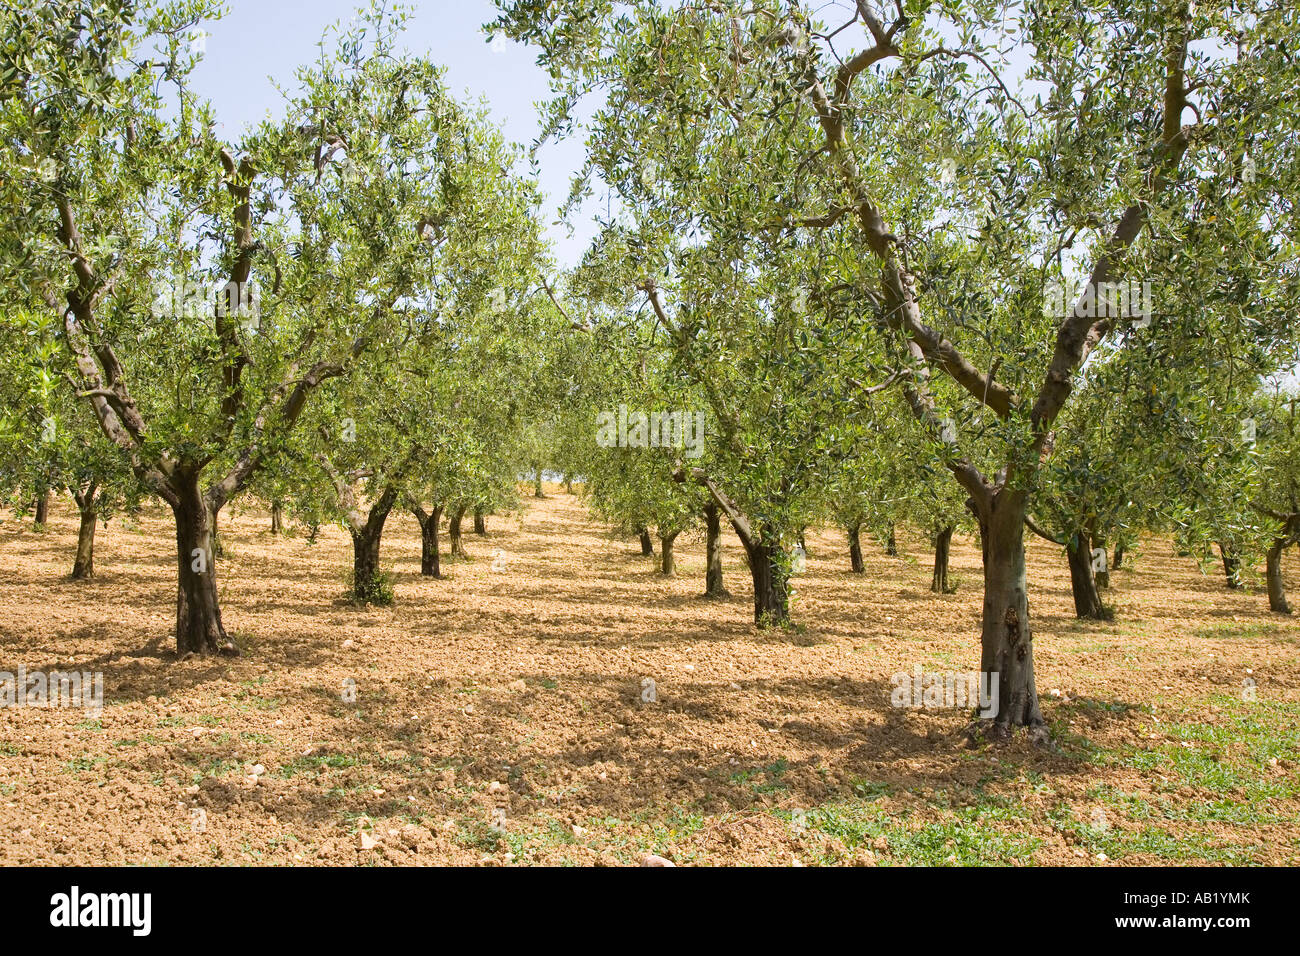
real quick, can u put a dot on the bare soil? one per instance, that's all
(499, 719)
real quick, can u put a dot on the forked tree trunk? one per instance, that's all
(1231, 565)
(1083, 583)
(84, 566)
(891, 545)
(667, 563)
(647, 543)
(480, 520)
(942, 545)
(713, 587)
(1006, 639)
(430, 560)
(855, 548)
(367, 584)
(1276, 586)
(453, 532)
(198, 612)
(277, 517)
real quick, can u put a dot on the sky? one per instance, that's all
(261, 42)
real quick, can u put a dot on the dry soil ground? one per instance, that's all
(498, 716)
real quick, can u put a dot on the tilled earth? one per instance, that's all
(498, 714)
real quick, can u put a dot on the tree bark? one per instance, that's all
(367, 584)
(1276, 586)
(891, 545)
(430, 559)
(198, 611)
(453, 532)
(1119, 557)
(1006, 640)
(647, 543)
(84, 566)
(42, 507)
(667, 562)
(1099, 541)
(1231, 565)
(713, 587)
(942, 545)
(537, 482)
(769, 570)
(1083, 582)
(277, 517)
(855, 548)
(480, 520)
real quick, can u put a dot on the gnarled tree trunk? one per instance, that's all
(667, 563)
(198, 611)
(713, 587)
(1006, 640)
(1083, 583)
(430, 560)
(367, 584)
(42, 507)
(453, 532)
(770, 570)
(942, 545)
(855, 548)
(84, 565)
(647, 543)
(480, 520)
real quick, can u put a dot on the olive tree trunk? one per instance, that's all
(367, 584)
(453, 532)
(855, 548)
(480, 520)
(647, 543)
(1006, 640)
(1083, 582)
(1231, 565)
(667, 561)
(430, 560)
(713, 587)
(84, 565)
(942, 546)
(198, 611)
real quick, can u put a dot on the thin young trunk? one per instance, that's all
(891, 545)
(277, 517)
(198, 611)
(480, 520)
(1006, 640)
(855, 548)
(942, 545)
(430, 560)
(1231, 565)
(1276, 586)
(537, 482)
(1083, 582)
(667, 563)
(647, 543)
(713, 587)
(84, 566)
(367, 582)
(453, 532)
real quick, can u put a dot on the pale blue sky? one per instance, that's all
(261, 42)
